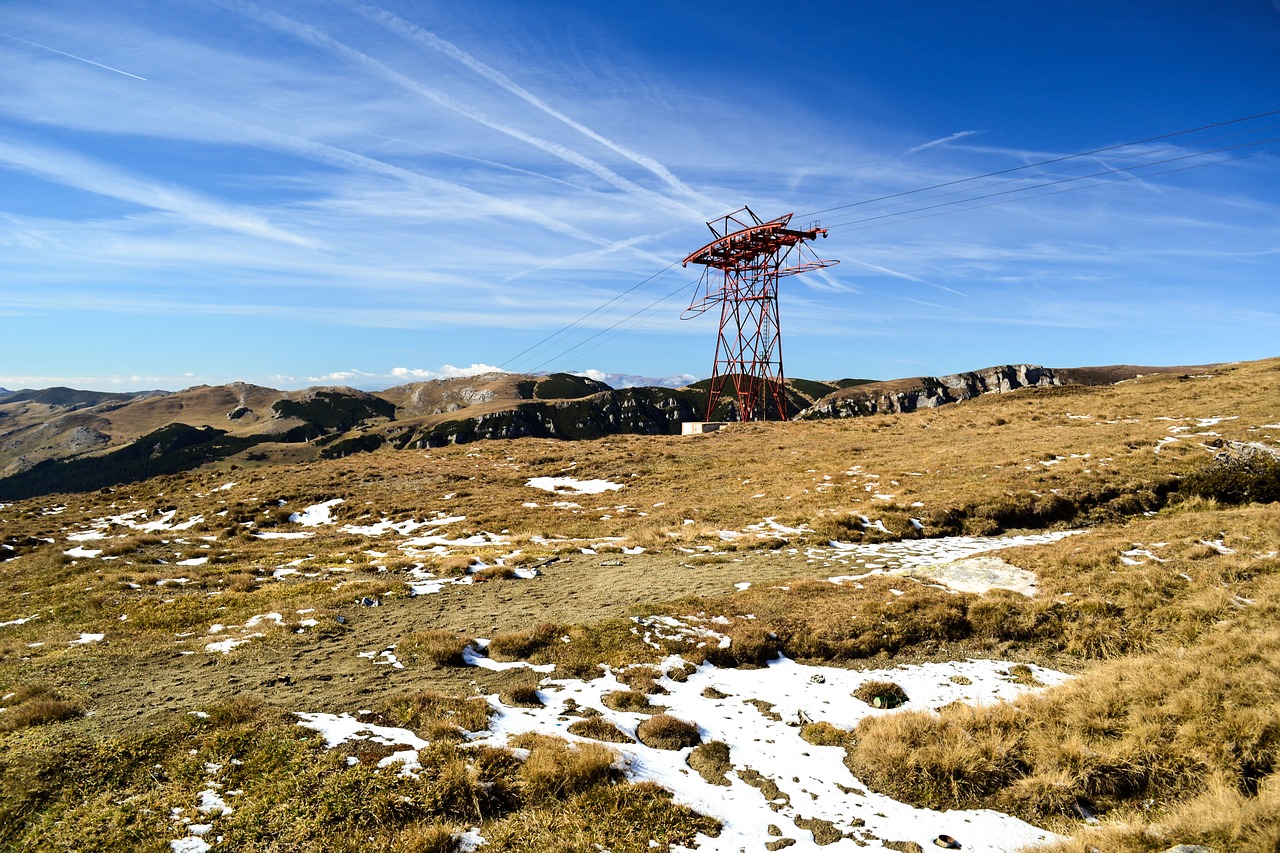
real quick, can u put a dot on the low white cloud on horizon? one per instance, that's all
(401, 375)
(630, 380)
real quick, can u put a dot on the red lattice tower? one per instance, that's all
(742, 268)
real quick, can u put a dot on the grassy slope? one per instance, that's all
(1199, 739)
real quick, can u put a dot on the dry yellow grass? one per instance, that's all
(1166, 618)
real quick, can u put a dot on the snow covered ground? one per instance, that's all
(758, 714)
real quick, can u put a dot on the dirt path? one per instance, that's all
(321, 670)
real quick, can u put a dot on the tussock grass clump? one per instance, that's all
(1024, 674)
(627, 700)
(429, 838)
(34, 705)
(938, 760)
(749, 646)
(643, 679)
(1220, 818)
(823, 733)
(1151, 727)
(522, 696)
(419, 711)
(663, 731)
(818, 620)
(521, 645)
(680, 672)
(237, 711)
(452, 565)
(556, 769)
(437, 646)
(622, 818)
(598, 728)
(494, 573)
(881, 694)
(580, 656)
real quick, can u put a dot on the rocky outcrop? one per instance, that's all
(85, 438)
(928, 392)
(641, 411)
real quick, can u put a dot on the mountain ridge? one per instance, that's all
(63, 439)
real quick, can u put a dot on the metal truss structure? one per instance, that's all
(742, 267)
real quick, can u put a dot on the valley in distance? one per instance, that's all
(1020, 608)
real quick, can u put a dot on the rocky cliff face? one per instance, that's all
(928, 392)
(643, 411)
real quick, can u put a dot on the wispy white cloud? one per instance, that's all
(451, 50)
(74, 170)
(316, 37)
(363, 177)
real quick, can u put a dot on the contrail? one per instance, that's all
(317, 37)
(944, 140)
(73, 56)
(451, 50)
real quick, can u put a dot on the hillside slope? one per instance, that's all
(61, 439)
(1070, 591)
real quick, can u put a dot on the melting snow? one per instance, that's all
(340, 728)
(950, 561)
(813, 779)
(726, 705)
(572, 486)
(317, 514)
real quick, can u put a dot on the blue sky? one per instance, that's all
(295, 193)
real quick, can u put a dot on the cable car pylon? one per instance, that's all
(742, 266)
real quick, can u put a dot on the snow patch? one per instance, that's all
(572, 486)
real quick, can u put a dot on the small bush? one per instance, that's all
(664, 731)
